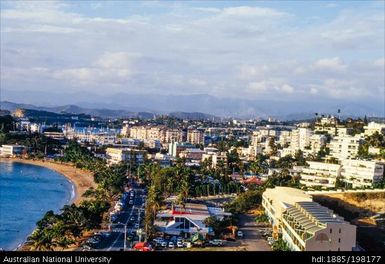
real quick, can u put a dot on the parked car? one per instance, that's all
(270, 240)
(179, 244)
(171, 245)
(216, 242)
(240, 234)
(163, 244)
(136, 225)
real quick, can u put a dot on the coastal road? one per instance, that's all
(131, 216)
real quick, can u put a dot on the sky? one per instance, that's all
(291, 50)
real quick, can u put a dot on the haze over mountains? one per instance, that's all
(123, 104)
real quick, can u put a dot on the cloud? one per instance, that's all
(233, 51)
(111, 68)
(330, 64)
(286, 88)
(252, 11)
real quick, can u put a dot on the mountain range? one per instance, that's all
(124, 104)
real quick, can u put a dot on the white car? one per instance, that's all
(179, 244)
(163, 244)
(270, 240)
(240, 234)
(136, 225)
(171, 245)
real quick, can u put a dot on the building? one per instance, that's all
(316, 142)
(55, 135)
(192, 154)
(195, 136)
(300, 138)
(188, 220)
(362, 173)
(320, 174)
(117, 155)
(345, 147)
(275, 201)
(174, 135)
(374, 127)
(308, 226)
(175, 148)
(12, 150)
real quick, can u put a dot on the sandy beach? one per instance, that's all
(81, 179)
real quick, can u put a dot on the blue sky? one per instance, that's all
(305, 50)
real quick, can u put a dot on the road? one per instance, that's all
(130, 216)
(253, 240)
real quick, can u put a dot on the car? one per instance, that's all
(132, 219)
(163, 244)
(86, 247)
(216, 242)
(171, 245)
(240, 234)
(179, 244)
(136, 225)
(270, 240)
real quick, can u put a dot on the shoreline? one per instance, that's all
(80, 179)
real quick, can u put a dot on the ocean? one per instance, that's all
(27, 192)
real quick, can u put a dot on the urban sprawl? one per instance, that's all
(172, 184)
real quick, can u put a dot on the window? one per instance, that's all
(331, 230)
(339, 240)
(339, 230)
(339, 249)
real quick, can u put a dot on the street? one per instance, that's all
(132, 216)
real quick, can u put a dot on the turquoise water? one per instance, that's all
(27, 192)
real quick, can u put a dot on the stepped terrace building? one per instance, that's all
(308, 226)
(276, 200)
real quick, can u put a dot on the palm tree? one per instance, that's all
(41, 240)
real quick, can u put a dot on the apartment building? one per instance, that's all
(174, 135)
(284, 137)
(362, 173)
(316, 142)
(175, 148)
(195, 136)
(192, 154)
(374, 127)
(216, 158)
(308, 226)
(117, 155)
(138, 132)
(320, 174)
(12, 150)
(276, 200)
(345, 147)
(327, 125)
(300, 138)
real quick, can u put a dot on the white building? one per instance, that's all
(305, 225)
(320, 174)
(12, 150)
(374, 127)
(300, 138)
(276, 200)
(188, 220)
(308, 226)
(362, 173)
(117, 155)
(345, 147)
